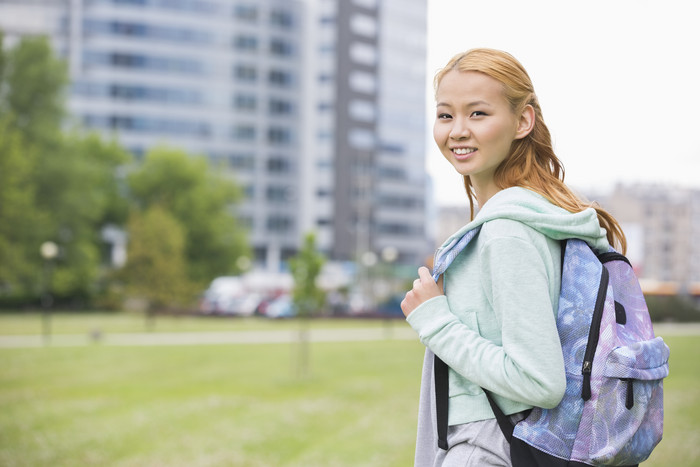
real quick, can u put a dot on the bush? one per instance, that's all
(679, 308)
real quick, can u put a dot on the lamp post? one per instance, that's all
(49, 252)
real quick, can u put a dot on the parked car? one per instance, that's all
(391, 308)
(220, 290)
(281, 307)
(240, 305)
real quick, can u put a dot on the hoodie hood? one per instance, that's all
(532, 209)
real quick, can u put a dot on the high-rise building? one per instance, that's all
(661, 223)
(315, 107)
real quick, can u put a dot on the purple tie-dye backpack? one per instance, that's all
(612, 411)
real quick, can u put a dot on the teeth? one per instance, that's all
(463, 151)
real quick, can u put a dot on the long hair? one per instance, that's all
(531, 163)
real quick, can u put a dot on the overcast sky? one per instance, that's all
(618, 82)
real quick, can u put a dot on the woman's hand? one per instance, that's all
(424, 288)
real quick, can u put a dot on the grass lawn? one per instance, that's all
(243, 405)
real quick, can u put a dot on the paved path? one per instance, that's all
(401, 332)
(208, 338)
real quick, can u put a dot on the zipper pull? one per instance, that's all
(629, 401)
(586, 371)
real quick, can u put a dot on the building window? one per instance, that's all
(245, 102)
(279, 135)
(281, 48)
(190, 128)
(246, 73)
(282, 18)
(362, 110)
(281, 107)
(362, 82)
(278, 165)
(246, 43)
(361, 139)
(279, 223)
(395, 229)
(280, 78)
(242, 161)
(244, 133)
(277, 194)
(370, 4)
(246, 12)
(363, 53)
(363, 25)
(134, 61)
(391, 173)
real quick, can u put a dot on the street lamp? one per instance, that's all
(49, 252)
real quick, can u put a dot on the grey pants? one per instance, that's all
(476, 444)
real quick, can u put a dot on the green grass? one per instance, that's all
(209, 405)
(243, 405)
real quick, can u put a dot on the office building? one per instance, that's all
(315, 107)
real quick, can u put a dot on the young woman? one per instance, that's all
(491, 316)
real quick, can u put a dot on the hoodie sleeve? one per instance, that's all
(528, 365)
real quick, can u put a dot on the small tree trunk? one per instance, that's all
(303, 344)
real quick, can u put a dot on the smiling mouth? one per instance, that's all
(463, 151)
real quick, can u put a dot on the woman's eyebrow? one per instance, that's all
(471, 104)
(477, 103)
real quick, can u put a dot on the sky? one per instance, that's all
(618, 82)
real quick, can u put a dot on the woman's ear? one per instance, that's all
(526, 122)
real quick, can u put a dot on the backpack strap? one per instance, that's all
(442, 400)
(504, 422)
(443, 258)
(442, 403)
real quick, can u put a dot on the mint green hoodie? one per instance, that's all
(495, 327)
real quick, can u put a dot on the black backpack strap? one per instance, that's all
(504, 422)
(442, 399)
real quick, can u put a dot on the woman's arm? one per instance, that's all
(528, 367)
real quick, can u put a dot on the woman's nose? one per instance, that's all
(460, 129)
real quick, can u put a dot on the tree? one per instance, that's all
(55, 185)
(306, 295)
(33, 84)
(156, 269)
(306, 267)
(201, 200)
(78, 189)
(21, 223)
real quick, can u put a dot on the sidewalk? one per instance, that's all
(260, 337)
(211, 338)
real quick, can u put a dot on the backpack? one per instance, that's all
(612, 411)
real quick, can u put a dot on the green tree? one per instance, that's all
(201, 200)
(33, 84)
(156, 268)
(78, 189)
(306, 267)
(55, 185)
(307, 297)
(21, 223)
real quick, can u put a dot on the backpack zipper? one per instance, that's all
(594, 334)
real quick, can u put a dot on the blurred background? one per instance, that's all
(167, 162)
(227, 131)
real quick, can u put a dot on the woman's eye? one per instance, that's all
(444, 116)
(478, 113)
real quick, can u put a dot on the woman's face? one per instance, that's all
(474, 125)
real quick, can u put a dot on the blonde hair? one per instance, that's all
(532, 163)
